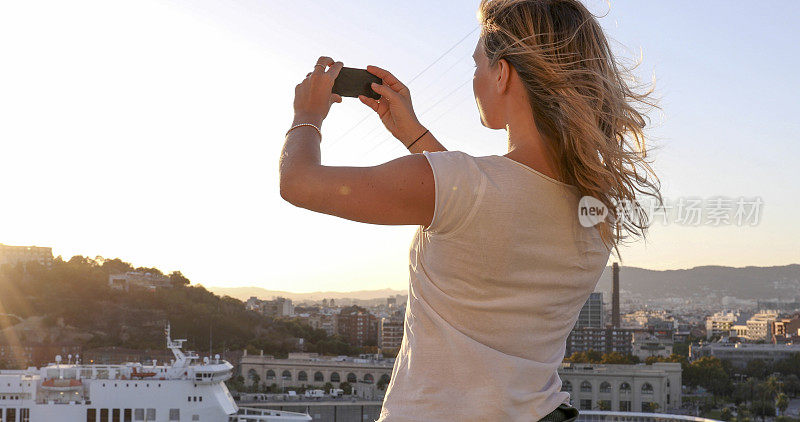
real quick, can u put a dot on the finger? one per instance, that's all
(336, 98)
(325, 62)
(334, 70)
(385, 91)
(387, 77)
(370, 102)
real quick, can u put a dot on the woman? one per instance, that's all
(500, 265)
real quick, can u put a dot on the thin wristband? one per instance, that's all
(305, 124)
(420, 137)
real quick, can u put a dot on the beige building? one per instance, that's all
(645, 345)
(390, 333)
(311, 369)
(627, 388)
(759, 327)
(138, 279)
(721, 323)
(17, 254)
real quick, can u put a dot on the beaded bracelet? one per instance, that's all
(305, 124)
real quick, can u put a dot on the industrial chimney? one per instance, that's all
(615, 297)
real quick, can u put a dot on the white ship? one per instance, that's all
(185, 389)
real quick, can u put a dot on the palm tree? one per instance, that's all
(782, 402)
(772, 386)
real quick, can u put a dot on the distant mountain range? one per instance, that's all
(744, 283)
(244, 293)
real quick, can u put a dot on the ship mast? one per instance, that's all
(175, 346)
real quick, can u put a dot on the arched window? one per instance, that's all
(605, 387)
(566, 386)
(586, 387)
(384, 380)
(252, 375)
(270, 374)
(647, 388)
(302, 376)
(286, 375)
(351, 378)
(368, 378)
(624, 388)
(335, 377)
(318, 377)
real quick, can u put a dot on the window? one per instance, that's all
(25, 414)
(91, 415)
(566, 386)
(605, 387)
(174, 414)
(604, 404)
(624, 406)
(335, 377)
(302, 376)
(195, 417)
(270, 374)
(286, 375)
(647, 388)
(115, 413)
(126, 416)
(624, 388)
(586, 387)
(150, 414)
(648, 406)
(318, 377)
(586, 404)
(138, 414)
(103, 415)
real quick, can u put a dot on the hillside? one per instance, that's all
(71, 303)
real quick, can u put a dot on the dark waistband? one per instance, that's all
(562, 413)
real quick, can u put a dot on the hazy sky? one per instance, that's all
(151, 130)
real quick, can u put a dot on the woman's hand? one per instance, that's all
(313, 97)
(394, 107)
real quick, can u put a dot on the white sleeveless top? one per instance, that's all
(497, 281)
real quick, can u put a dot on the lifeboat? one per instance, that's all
(136, 374)
(62, 385)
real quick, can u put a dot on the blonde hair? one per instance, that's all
(581, 101)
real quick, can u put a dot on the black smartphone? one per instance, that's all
(352, 82)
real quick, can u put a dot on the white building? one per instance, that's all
(138, 279)
(17, 254)
(721, 323)
(759, 327)
(627, 388)
(645, 345)
(739, 354)
(277, 307)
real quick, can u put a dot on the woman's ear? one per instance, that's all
(503, 76)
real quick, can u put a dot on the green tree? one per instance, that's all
(756, 368)
(762, 408)
(782, 402)
(327, 387)
(346, 387)
(177, 279)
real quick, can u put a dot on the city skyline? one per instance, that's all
(153, 135)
